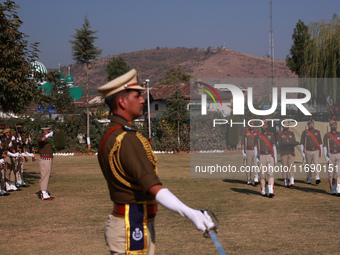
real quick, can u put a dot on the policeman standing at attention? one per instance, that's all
(266, 157)
(247, 148)
(130, 169)
(311, 147)
(286, 140)
(331, 141)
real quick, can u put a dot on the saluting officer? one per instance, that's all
(311, 147)
(331, 141)
(247, 148)
(287, 153)
(266, 156)
(130, 169)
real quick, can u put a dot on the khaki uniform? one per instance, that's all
(44, 163)
(266, 154)
(311, 147)
(248, 143)
(287, 154)
(129, 167)
(333, 150)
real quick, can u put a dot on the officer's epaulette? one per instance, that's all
(128, 129)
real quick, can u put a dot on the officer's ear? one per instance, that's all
(122, 102)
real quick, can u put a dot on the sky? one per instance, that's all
(131, 25)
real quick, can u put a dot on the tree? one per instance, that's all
(61, 97)
(175, 75)
(176, 113)
(116, 67)
(17, 90)
(301, 38)
(322, 60)
(84, 52)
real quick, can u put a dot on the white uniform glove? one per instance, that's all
(50, 134)
(326, 154)
(202, 221)
(275, 154)
(256, 155)
(15, 155)
(244, 155)
(302, 153)
(2, 161)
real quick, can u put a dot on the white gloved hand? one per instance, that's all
(275, 154)
(202, 221)
(50, 134)
(244, 155)
(302, 153)
(2, 161)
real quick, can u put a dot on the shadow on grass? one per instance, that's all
(305, 188)
(234, 181)
(31, 177)
(246, 191)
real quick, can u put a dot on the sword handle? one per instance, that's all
(214, 219)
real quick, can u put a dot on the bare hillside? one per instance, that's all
(153, 64)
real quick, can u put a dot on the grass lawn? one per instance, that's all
(303, 220)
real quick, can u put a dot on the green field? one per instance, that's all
(303, 220)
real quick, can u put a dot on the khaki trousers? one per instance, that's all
(115, 236)
(45, 169)
(334, 160)
(267, 166)
(312, 156)
(250, 161)
(287, 162)
(9, 173)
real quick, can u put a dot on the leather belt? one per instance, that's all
(250, 148)
(334, 151)
(46, 156)
(119, 210)
(265, 152)
(312, 148)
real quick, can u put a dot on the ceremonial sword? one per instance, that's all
(212, 233)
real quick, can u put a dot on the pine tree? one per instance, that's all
(84, 52)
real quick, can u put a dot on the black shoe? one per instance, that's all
(271, 195)
(256, 183)
(318, 181)
(25, 185)
(264, 195)
(5, 194)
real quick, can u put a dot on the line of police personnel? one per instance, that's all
(15, 148)
(259, 151)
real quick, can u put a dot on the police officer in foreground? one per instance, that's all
(266, 157)
(247, 148)
(286, 142)
(311, 147)
(331, 141)
(130, 169)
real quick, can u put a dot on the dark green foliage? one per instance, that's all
(60, 95)
(301, 38)
(175, 76)
(17, 91)
(59, 140)
(116, 67)
(83, 49)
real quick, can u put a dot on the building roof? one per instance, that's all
(94, 101)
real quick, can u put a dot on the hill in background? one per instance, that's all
(200, 63)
